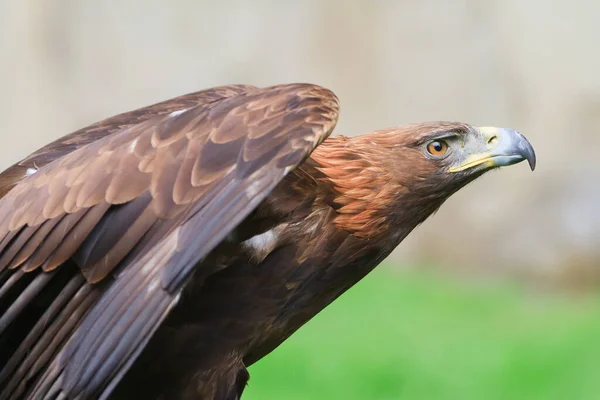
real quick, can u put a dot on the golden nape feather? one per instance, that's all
(160, 252)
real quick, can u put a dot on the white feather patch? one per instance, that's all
(261, 245)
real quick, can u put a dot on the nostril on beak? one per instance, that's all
(492, 141)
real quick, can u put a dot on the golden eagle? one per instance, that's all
(158, 253)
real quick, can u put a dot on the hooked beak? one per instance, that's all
(504, 147)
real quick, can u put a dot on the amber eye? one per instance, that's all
(437, 148)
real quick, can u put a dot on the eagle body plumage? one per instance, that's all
(158, 253)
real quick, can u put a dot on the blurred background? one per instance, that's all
(496, 295)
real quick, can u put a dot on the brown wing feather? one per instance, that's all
(188, 179)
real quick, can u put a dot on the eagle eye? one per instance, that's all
(437, 148)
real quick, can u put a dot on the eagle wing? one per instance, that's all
(134, 212)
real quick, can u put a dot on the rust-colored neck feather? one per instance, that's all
(361, 183)
(376, 182)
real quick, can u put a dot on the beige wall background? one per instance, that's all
(530, 65)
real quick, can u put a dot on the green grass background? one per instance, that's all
(417, 335)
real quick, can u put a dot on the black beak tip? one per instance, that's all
(531, 161)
